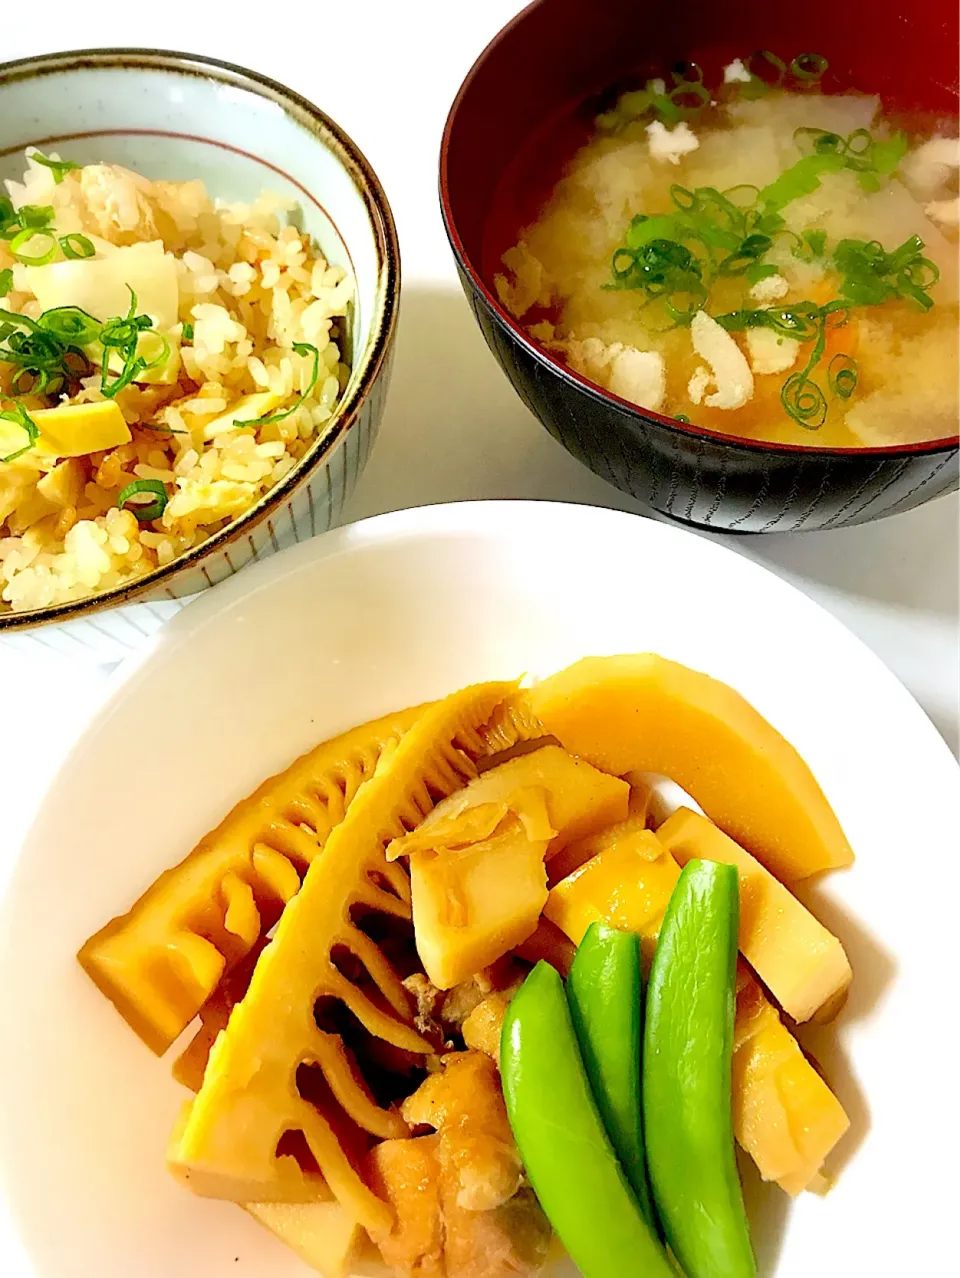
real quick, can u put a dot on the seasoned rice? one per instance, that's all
(251, 287)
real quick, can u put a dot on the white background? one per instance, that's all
(387, 70)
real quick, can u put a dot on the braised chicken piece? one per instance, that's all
(460, 1210)
(484, 1025)
(406, 1174)
(465, 1106)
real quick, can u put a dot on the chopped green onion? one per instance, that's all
(711, 199)
(76, 246)
(685, 199)
(800, 395)
(804, 401)
(766, 67)
(664, 226)
(687, 73)
(765, 223)
(872, 276)
(743, 186)
(860, 142)
(842, 376)
(870, 159)
(35, 216)
(71, 325)
(188, 332)
(11, 320)
(818, 140)
(301, 348)
(799, 321)
(59, 168)
(749, 251)
(682, 417)
(802, 398)
(888, 152)
(6, 282)
(50, 353)
(27, 236)
(760, 271)
(663, 268)
(808, 67)
(623, 263)
(161, 430)
(692, 290)
(122, 334)
(45, 358)
(152, 510)
(31, 381)
(8, 214)
(688, 97)
(22, 418)
(802, 178)
(630, 106)
(636, 102)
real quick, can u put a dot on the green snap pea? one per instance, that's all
(687, 1054)
(568, 1156)
(606, 1006)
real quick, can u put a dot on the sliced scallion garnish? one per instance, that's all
(8, 214)
(808, 67)
(31, 237)
(35, 216)
(746, 254)
(686, 73)
(59, 168)
(152, 510)
(766, 67)
(19, 415)
(301, 348)
(6, 282)
(45, 359)
(802, 178)
(872, 159)
(76, 246)
(842, 376)
(872, 276)
(813, 246)
(123, 334)
(798, 321)
(48, 352)
(70, 325)
(758, 271)
(803, 400)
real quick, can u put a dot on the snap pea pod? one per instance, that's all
(687, 1053)
(606, 1005)
(562, 1141)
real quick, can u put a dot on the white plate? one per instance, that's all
(394, 611)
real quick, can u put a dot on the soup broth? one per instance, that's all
(767, 262)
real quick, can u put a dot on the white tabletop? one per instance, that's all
(453, 428)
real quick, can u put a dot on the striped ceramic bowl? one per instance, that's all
(176, 116)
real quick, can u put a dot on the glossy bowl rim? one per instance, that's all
(689, 431)
(325, 132)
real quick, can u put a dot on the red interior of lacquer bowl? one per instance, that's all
(530, 99)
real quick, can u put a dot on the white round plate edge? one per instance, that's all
(470, 517)
(519, 519)
(466, 517)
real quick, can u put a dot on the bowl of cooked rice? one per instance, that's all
(199, 279)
